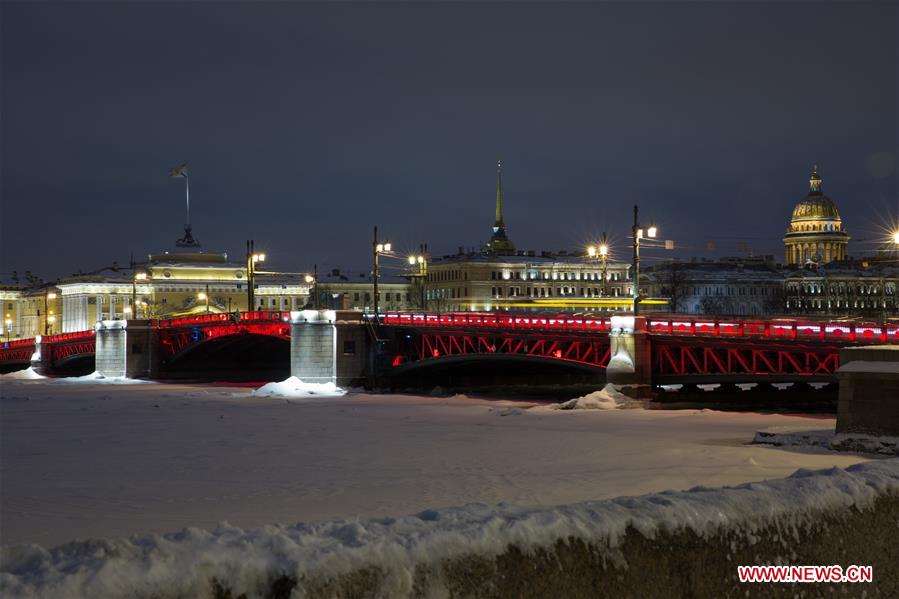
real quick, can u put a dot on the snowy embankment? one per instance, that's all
(665, 543)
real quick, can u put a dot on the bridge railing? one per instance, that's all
(201, 319)
(18, 342)
(496, 321)
(62, 337)
(694, 326)
(776, 328)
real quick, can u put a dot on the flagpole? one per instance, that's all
(187, 191)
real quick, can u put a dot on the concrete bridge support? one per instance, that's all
(40, 359)
(869, 390)
(631, 356)
(313, 346)
(125, 348)
(327, 346)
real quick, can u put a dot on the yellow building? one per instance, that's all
(816, 234)
(174, 284)
(30, 310)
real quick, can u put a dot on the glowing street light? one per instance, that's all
(602, 250)
(138, 276)
(378, 248)
(253, 258)
(50, 295)
(204, 297)
(896, 237)
(8, 329)
(637, 231)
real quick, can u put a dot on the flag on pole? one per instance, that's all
(178, 171)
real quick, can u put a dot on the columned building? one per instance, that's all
(816, 234)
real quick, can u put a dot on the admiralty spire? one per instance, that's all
(499, 244)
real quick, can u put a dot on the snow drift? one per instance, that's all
(26, 374)
(607, 398)
(293, 387)
(392, 553)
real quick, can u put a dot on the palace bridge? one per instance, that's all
(349, 348)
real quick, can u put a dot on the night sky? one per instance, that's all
(306, 124)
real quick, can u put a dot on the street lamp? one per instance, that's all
(50, 295)
(204, 297)
(253, 258)
(312, 281)
(138, 276)
(378, 249)
(8, 329)
(896, 237)
(421, 275)
(637, 232)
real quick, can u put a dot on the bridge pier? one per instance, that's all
(125, 348)
(41, 361)
(327, 346)
(631, 356)
(869, 390)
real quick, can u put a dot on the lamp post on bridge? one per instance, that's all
(377, 249)
(252, 259)
(313, 281)
(421, 275)
(637, 232)
(138, 276)
(603, 251)
(8, 329)
(50, 295)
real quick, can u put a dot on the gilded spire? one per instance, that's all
(499, 243)
(814, 181)
(499, 195)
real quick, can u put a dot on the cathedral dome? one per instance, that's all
(816, 205)
(816, 232)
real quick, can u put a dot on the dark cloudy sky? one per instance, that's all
(306, 124)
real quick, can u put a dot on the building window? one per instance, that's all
(349, 348)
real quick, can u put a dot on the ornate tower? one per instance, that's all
(499, 243)
(816, 234)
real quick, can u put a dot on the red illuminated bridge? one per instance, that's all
(676, 348)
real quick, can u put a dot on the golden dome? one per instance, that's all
(815, 208)
(816, 205)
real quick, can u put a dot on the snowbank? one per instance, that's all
(293, 387)
(95, 377)
(607, 398)
(22, 375)
(826, 440)
(395, 551)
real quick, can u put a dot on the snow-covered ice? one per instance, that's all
(98, 460)
(182, 564)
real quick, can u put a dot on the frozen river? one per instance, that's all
(82, 460)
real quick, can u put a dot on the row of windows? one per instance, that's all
(719, 291)
(548, 291)
(841, 288)
(555, 276)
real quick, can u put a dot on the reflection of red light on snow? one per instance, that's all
(435, 353)
(558, 353)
